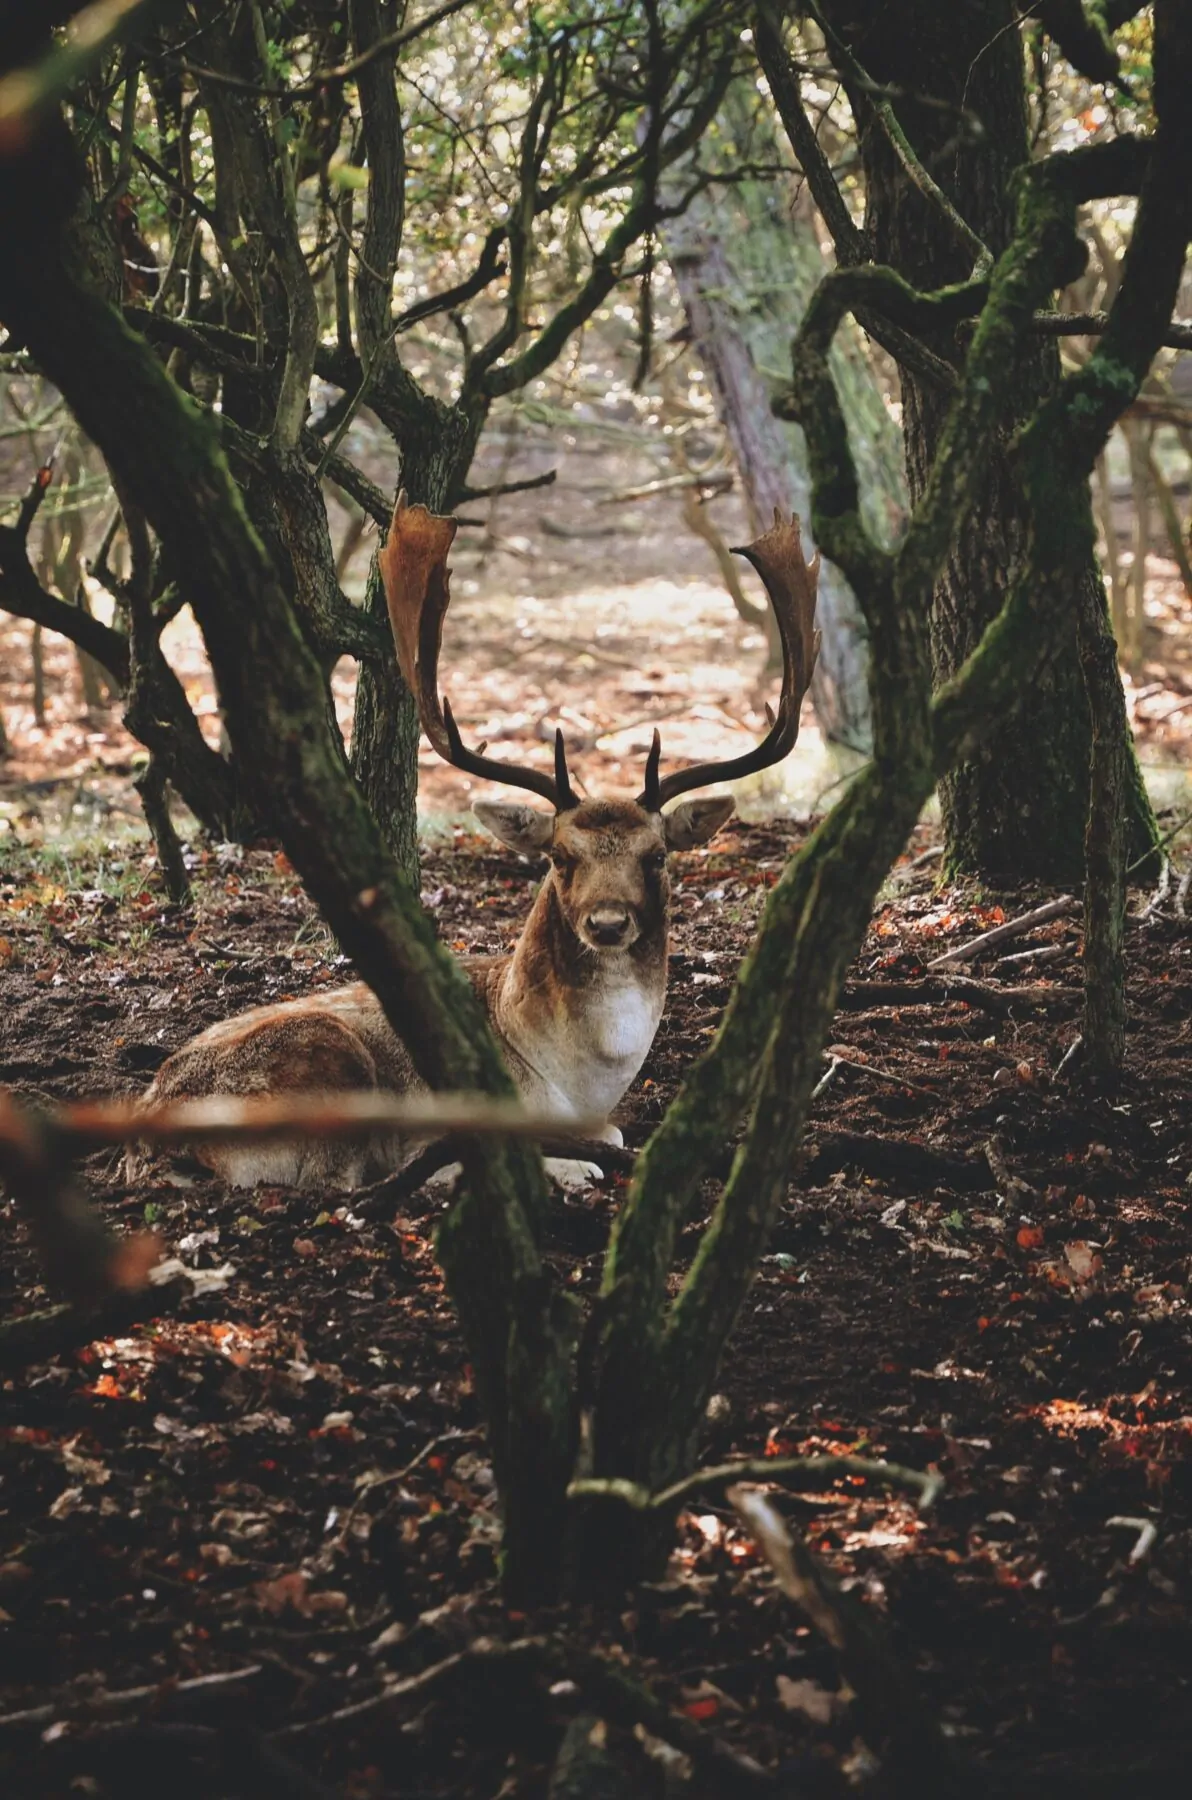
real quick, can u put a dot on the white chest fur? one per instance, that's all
(594, 1047)
(618, 1023)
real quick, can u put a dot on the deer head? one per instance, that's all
(608, 857)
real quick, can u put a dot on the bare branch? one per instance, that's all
(803, 1472)
(1092, 324)
(22, 595)
(507, 487)
(347, 476)
(91, 1125)
(852, 244)
(1082, 33)
(346, 71)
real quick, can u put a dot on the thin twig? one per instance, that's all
(373, 1482)
(807, 1471)
(825, 1081)
(1161, 844)
(1147, 1534)
(1039, 915)
(341, 72)
(1044, 954)
(1092, 324)
(104, 1705)
(508, 487)
(1159, 898)
(917, 1757)
(1011, 1187)
(854, 1062)
(1001, 1001)
(624, 1699)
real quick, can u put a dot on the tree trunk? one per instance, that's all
(385, 726)
(39, 679)
(1020, 804)
(384, 753)
(745, 269)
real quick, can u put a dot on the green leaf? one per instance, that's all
(347, 175)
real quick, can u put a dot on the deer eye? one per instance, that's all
(655, 860)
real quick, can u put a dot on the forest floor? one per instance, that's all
(195, 1498)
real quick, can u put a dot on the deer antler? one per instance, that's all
(418, 592)
(791, 584)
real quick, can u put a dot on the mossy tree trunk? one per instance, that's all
(1017, 806)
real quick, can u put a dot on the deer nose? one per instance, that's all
(609, 925)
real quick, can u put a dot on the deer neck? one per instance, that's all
(583, 1020)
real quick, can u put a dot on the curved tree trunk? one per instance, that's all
(1020, 804)
(385, 727)
(745, 269)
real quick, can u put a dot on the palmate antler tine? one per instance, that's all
(790, 582)
(417, 583)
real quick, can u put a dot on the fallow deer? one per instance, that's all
(576, 1005)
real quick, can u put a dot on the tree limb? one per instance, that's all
(1178, 335)
(340, 72)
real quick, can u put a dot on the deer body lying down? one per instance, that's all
(576, 1005)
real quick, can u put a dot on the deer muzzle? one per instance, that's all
(610, 927)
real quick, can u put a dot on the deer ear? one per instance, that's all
(695, 821)
(523, 828)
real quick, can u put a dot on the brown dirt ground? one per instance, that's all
(173, 1502)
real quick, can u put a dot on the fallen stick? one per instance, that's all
(1039, 915)
(1012, 1189)
(932, 989)
(105, 1705)
(624, 1700)
(1157, 900)
(904, 1081)
(896, 1159)
(804, 1472)
(1045, 953)
(916, 1755)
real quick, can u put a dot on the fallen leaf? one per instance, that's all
(284, 1592)
(1082, 1261)
(806, 1697)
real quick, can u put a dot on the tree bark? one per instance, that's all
(385, 727)
(745, 269)
(1019, 804)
